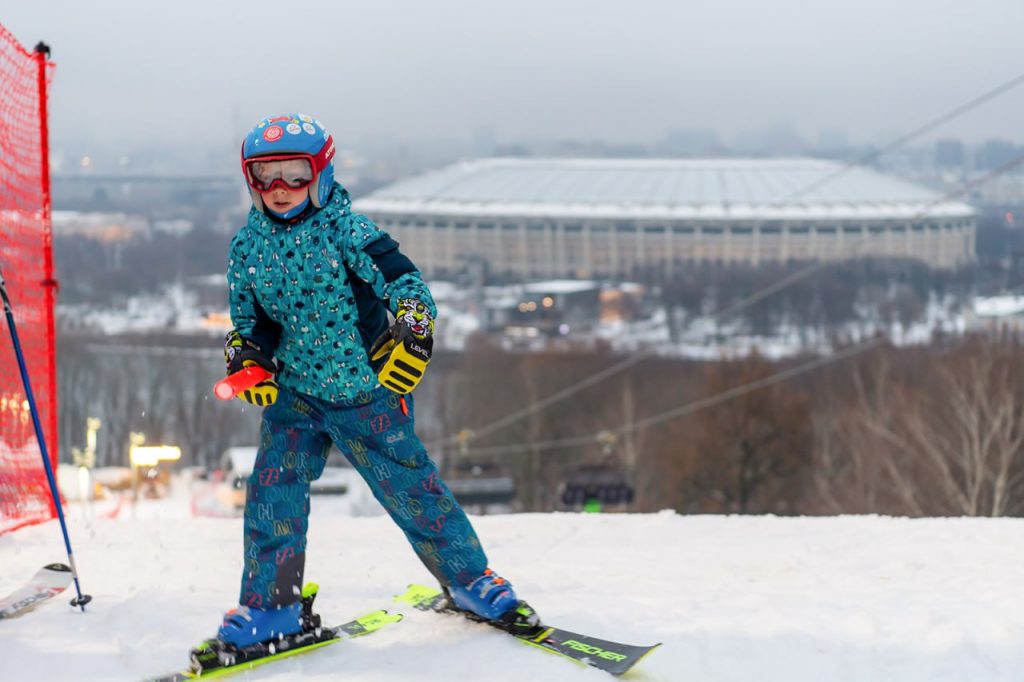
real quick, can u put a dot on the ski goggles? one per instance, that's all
(294, 171)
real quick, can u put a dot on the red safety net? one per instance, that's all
(26, 261)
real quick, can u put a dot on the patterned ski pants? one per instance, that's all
(378, 439)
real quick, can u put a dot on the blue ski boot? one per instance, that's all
(246, 626)
(491, 599)
(248, 634)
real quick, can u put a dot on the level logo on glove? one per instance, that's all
(239, 353)
(406, 357)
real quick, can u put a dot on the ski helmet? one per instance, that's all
(292, 134)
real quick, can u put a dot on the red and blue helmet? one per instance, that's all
(285, 137)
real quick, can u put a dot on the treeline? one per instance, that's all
(928, 430)
(934, 430)
(157, 386)
(821, 298)
(105, 273)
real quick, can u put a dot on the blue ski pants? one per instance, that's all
(377, 437)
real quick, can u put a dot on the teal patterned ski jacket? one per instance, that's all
(315, 295)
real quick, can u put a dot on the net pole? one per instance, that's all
(81, 600)
(49, 283)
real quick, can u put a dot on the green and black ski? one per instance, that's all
(210, 660)
(612, 657)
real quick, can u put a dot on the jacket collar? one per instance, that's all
(339, 204)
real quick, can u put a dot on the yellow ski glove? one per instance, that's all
(404, 357)
(239, 353)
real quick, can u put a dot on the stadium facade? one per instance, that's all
(613, 217)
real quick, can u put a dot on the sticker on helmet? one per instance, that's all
(308, 127)
(273, 133)
(293, 128)
(305, 119)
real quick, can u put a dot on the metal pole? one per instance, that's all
(82, 599)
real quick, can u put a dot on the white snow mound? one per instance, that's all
(733, 599)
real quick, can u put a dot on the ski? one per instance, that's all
(48, 581)
(612, 657)
(286, 647)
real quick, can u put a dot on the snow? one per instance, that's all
(175, 307)
(457, 328)
(733, 599)
(998, 306)
(463, 312)
(560, 286)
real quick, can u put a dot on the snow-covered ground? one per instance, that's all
(733, 599)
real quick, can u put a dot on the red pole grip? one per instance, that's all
(233, 384)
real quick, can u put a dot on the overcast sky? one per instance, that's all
(198, 71)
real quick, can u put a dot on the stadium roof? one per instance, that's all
(704, 189)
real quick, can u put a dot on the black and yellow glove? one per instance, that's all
(404, 356)
(239, 353)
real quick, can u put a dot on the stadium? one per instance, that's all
(617, 217)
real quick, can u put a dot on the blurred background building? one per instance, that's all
(544, 217)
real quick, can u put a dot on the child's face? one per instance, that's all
(283, 199)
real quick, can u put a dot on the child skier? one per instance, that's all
(310, 288)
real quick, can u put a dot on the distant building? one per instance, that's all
(101, 226)
(950, 154)
(558, 307)
(545, 306)
(143, 192)
(614, 218)
(997, 313)
(996, 153)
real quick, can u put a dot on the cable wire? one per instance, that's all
(690, 408)
(907, 137)
(783, 283)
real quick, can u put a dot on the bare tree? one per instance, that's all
(751, 453)
(947, 441)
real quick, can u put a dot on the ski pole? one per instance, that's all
(82, 599)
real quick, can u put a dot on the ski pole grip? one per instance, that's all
(233, 384)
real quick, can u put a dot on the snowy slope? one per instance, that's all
(734, 599)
